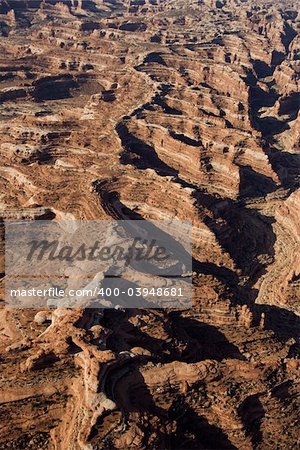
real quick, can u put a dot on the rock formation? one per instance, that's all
(155, 109)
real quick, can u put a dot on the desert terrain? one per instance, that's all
(152, 109)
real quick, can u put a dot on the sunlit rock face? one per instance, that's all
(157, 109)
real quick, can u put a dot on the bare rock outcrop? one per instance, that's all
(156, 109)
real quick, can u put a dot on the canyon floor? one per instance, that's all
(153, 109)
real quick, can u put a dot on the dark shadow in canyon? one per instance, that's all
(284, 323)
(252, 413)
(254, 184)
(110, 201)
(286, 165)
(242, 232)
(141, 155)
(194, 431)
(203, 341)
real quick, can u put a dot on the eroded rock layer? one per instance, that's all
(157, 109)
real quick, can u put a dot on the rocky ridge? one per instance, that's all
(155, 109)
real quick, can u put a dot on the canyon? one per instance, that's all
(157, 109)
